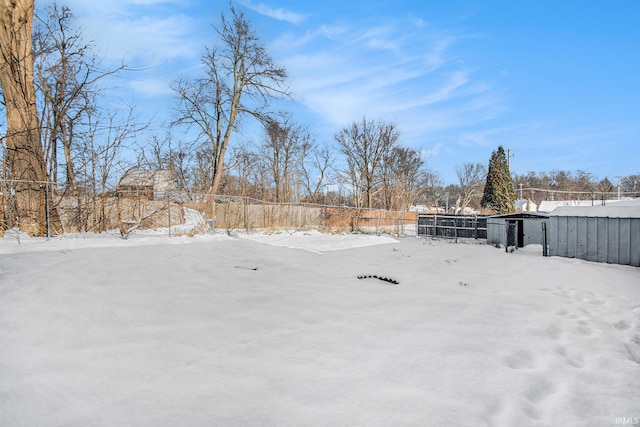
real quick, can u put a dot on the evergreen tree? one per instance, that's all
(499, 194)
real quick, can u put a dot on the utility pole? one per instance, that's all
(509, 156)
(618, 186)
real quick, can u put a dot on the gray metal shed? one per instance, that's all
(527, 231)
(608, 233)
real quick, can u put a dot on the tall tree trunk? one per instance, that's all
(67, 137)
(25, 154)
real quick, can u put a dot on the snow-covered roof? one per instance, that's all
(158, 179)
(619, 209)
(522, 215)
(550, 205)
(522, 202)
(138, 178)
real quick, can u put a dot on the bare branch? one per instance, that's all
(240, 79)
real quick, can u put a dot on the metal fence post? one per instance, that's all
(455, 227)
(246, 214)
(475, 226)
(169, 210)
(46, 207)
(545, 248)
(435, 225)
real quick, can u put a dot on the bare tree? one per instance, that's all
(201, 172)
(101, 161)
(57, 67)
(559, 180)
(583, 182)
(580, 185)
(239, 80)
(285, 148)
(471, 179)
(365, 145)
(67, 73)
(25, 155)
(164, 153)
(251, 173)
(316, 172)
(630, 185)
(433, 191)
(401, 177)
(605, 188)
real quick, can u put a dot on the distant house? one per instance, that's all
(526, 205)
(609, 233)
(151, 184)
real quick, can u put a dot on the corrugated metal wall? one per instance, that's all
(496, 231)
(533, 231)
(611, 240)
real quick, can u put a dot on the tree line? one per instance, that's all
(62, 126)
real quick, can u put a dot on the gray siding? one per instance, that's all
(611, 240)
(496, 232)
(533, 231)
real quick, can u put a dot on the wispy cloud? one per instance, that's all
(410, 77)
(376, 43)
(431, 152)
(156, 40)
(401, 63)
(152, 86)
(153, 36)
(276, 13)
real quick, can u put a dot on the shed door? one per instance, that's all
(519, 226)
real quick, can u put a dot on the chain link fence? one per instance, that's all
(125, 210)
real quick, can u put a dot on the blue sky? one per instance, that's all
(556, 82)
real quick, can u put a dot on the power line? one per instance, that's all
(594, 192)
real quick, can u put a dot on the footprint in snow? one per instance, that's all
(633, 349)
(521, 359)
(539, 390)
(622, 325)
(573, 359)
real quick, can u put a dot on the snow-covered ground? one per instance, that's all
(277, 330)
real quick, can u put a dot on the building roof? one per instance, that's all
(523, 202)
(619, 209)
(517, 215)
(550, 205)
(147, 178)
